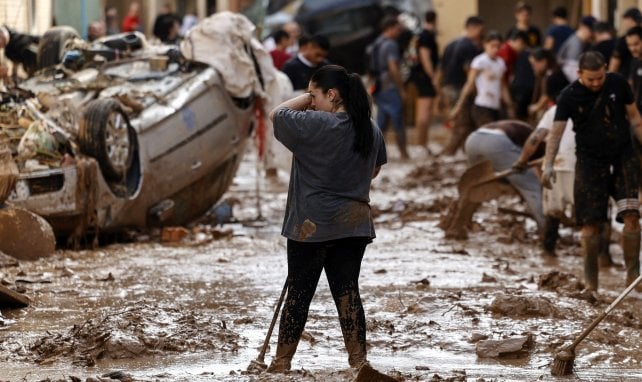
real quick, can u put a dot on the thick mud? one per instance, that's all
(199, 309)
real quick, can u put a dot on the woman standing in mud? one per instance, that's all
(337, 151)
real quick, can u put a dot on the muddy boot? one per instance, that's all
(283, 359)
(591, 249)
(353, 328)
(631, 249)
(604, 260)
(551, 226)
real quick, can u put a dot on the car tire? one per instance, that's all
(106, 134)
(51, 47)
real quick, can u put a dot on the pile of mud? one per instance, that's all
(433, 173)
(134, 332)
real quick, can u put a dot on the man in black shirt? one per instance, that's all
(523, 13)
(454, 67)
(603, 111)
(312, 55)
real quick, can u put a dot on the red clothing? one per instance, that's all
(509, 55)
(131, 24)
(279, 57)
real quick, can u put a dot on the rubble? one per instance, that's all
(514, 346)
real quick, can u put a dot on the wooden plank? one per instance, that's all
(10, 298)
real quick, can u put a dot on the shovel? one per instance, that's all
(481, 174)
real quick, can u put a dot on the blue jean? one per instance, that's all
(390, 107)
(502, 153)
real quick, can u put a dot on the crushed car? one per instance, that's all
(122, 133)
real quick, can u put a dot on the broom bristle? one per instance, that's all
(563, 363)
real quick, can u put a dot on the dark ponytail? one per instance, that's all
(355, 100)
(359, 109)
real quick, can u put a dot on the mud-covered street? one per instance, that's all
(198, 310)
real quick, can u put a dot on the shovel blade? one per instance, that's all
(473, 175)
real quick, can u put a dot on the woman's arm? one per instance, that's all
(300, 102)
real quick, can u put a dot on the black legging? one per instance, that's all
(341, 260)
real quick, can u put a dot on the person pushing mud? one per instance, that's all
(603, 111)
(337, 152)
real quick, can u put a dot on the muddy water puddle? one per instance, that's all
(199, 311)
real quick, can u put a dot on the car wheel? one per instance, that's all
(51, 47)
(106, 134)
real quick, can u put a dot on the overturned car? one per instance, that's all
(150, 136)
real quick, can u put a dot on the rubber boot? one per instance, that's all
(591, 248)
(551, 226)
(605, 260)
(353, 328)
(282, 361)
(631, 249)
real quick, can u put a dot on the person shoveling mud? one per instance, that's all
(337, 152)
(493, 147)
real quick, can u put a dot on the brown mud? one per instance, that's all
(198, 309)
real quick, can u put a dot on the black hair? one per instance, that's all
(635, 31)
(474, 21)
(388, 21)
(355, 100)
(280, 35)
(519, 35)
(540, 54)
(602, 27)
(493, 36)
(523, 6)
(560, 12)
(320, 41)
(430, 17)
(317, 39)
(592, 60)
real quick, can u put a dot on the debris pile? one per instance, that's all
(134, 332)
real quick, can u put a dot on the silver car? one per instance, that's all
(146, 143)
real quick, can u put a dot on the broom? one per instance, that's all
(258, 364)
(563, 361)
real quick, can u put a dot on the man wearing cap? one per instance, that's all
(621, 59)
(574, 46)
(604, 116)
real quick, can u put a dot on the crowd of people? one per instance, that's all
(579, 87)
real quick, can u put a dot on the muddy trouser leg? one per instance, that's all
(502, 152)
(389, 105)
(591, 247)
(462, 126)
(605, 241)
(551, 227)
(342, 268)
(626, 174)
(631, 249)
(305, 263)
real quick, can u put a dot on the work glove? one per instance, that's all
(548, 177)
(520, 166)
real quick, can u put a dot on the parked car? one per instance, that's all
(352, 25)
(139, 141)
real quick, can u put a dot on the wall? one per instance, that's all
(451, 16)
(70, 12)
(31, 16)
